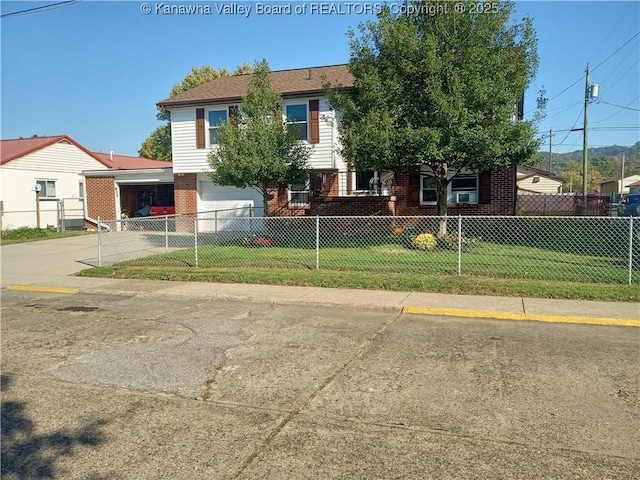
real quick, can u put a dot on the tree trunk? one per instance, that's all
(441, 204)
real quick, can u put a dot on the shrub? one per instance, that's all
(425, 241)
(259, 241)
(397, 230)
(24, 233)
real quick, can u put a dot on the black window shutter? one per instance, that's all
(484, 188)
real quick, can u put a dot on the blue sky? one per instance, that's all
(94, 70)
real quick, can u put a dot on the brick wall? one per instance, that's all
(185, 195)
(353, 206)
(101, 198)
(502, 198)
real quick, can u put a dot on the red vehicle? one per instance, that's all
(157, 211)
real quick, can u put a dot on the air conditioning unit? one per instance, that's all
(463, 197)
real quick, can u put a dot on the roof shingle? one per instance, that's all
(297, 82)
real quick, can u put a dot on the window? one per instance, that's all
(464, 183)
(364, 180)
(216, 117)
(299, 194)
(428, 191)
(47, 188)
(461, 189)
(297, 120)
(80, 189)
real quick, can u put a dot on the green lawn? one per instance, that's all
(487, 268)
(28, 234)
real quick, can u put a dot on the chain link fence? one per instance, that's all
(579, 249)
(61, 215)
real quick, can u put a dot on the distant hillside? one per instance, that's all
(615, 152)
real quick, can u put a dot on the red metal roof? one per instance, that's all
(19, 147)
(126, 162)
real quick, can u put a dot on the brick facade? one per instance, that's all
(501, 194)
(100, 199)
(502, 198)
(185, 196)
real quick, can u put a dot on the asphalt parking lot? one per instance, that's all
(104, 386)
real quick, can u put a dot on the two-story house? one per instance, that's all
(333, 187)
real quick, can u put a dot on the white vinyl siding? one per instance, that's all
(61, 162)
(189, 159)
(186, 157)
(61, 157)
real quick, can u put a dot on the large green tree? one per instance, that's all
(157, 145)
(256, 150)
(438, 89)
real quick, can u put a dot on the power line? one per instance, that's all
(622, 76)
(37, 9)
(620, 48)
(618, 112)
(601, 63)
(620, 106)
(614, 29)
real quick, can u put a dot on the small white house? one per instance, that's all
(51, 165)
(536, 181)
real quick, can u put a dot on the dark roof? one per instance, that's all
(297, 82)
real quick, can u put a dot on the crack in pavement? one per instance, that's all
(360, 351)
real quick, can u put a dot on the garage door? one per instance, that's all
(227, 208)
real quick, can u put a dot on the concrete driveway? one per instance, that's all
(110, 386)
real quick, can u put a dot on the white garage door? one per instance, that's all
(227, 208)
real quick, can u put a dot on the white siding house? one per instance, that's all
(535, 181)
(54, 165)
(195, 113)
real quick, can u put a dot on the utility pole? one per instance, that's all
(585, 134)
(550, 148)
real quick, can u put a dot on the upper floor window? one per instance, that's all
(47, 188)
(216, 117)
(297, 120)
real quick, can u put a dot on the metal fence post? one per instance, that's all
(630, 250)
(99, 244)
(459, 244)
(215, 221)
(195, 239)
(62, 216)
(166, 233)
(317, 242)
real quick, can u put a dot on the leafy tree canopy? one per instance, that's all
(158, 145)
(256, 150)
(438, 89)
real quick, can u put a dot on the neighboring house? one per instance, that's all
(333, 187)
(634, 187)
(619, 186)
(76, 184)
(532, 180)
(53, 164)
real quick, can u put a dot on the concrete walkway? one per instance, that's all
(50, 264)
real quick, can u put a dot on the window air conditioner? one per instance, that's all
(463, 198)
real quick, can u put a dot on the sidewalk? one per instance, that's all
(50, 265)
